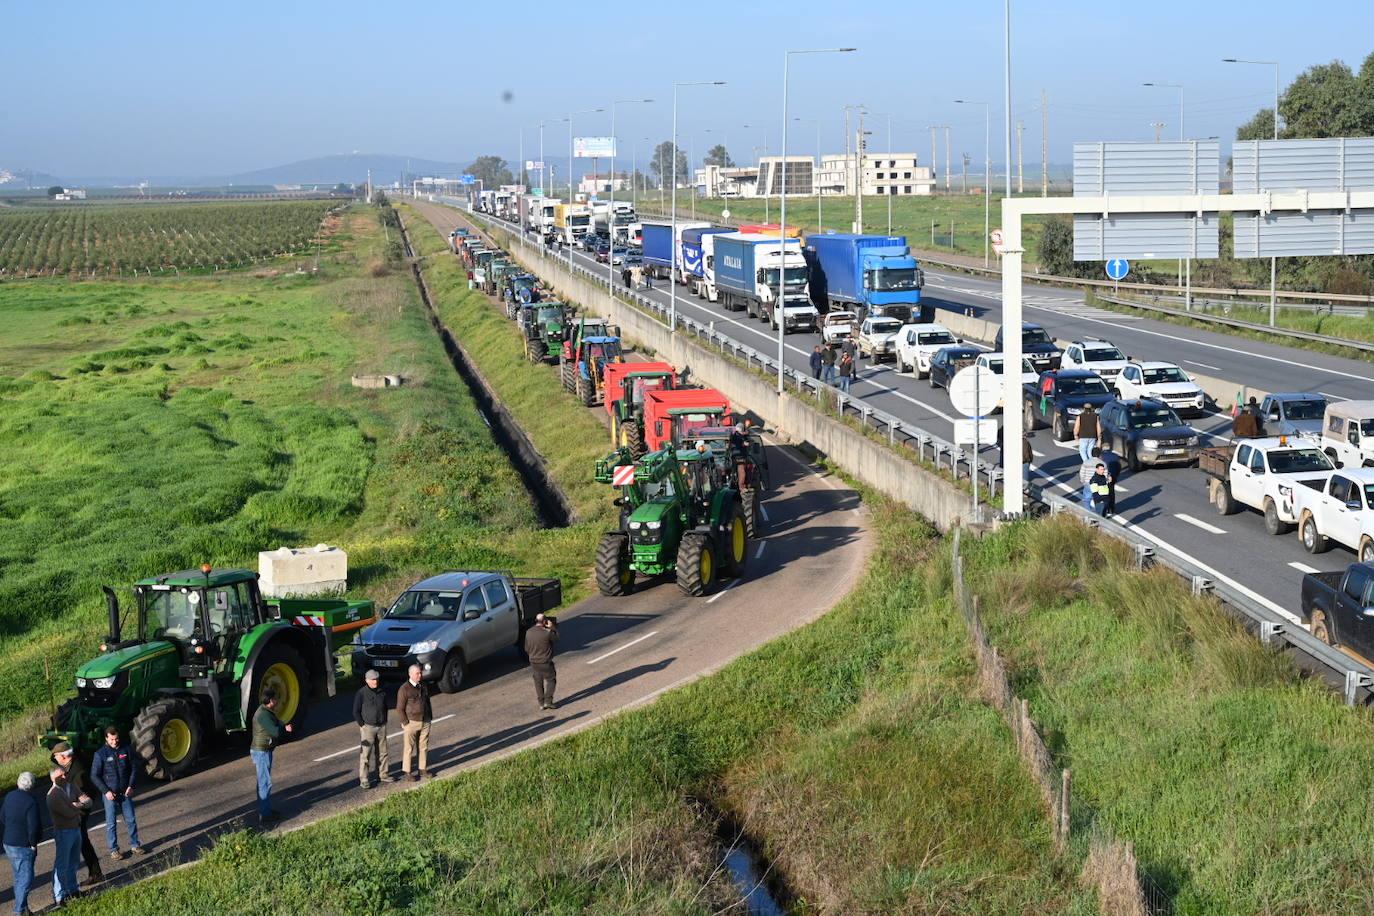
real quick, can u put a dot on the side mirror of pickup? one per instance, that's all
(1354, 504)
(471, 614)
(1367, 613)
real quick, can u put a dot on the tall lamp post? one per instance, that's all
(815, 187)
(778, 314)
(571, 196)
(672, 237)
(1273, 261)
(987, 172)
(610, 214)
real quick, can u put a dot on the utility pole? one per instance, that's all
(965, 155)
(1044, 146)
(861, 146)
(1020, 157)
(1159, 128)
(946, 158)
(932, 157)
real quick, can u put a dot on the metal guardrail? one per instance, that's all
(1354, 679)
(1242, 325)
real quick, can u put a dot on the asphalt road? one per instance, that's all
(615, 653)
(1169, 506)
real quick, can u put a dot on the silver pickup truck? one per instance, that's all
(449, 621)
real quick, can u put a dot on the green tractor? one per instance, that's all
(207, 644)
(497, 270)
(679, 514)
(542, 324)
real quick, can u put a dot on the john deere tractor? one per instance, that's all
(584, 360)
(542, 324)
(205, 646)
(678, 514)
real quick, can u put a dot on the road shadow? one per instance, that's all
(616, 679)
(482, 745)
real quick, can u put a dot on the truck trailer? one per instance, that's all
(747, 271)
(868, 274)
(692, 256)
(658, 248)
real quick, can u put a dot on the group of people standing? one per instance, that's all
(1101, 467)
(833, 364)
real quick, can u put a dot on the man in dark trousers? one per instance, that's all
(539, 641)
(114, 769)
(267, 733)
(816, 362)
(66, 805)
(76, 777)
(369, 712)
(19, 823)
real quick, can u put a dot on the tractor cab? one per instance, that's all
(522, 288)
(542, 324)
(627, 385)
(673, 417)
(584, 372)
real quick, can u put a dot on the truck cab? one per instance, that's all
(1341, 511)
(1059, 396)
(1264, 474)
(1293, 414)
(447, 622)
(1348, 433)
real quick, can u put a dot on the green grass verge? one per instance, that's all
(153, 426)
(855, 749)
(1237, 781)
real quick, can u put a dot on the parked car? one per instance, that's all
(947, 362)
(1044, 353)
(917, 343)
(877, 338)
(995, 362)
(1148, 432)
(1338, 607)
(1161, 382)
(1293, 414)
(1099, 356)
(1059, 396)
(618, 255)
(1341, 511)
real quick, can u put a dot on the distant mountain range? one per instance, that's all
(347, 168)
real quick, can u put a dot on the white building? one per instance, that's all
(596, 183)
(881, 174)
(71, 194)
(800, 172)
(719, 181)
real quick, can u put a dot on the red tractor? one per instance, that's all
(626, 387)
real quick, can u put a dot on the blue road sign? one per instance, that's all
(469, 179)
(1117, 268)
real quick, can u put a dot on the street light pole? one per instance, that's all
(1273, 261)
(1006, 16)
(610, 213)
(672, 233)
(778, 314)
(987, 173)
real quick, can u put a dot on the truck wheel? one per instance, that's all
(1367, 550)
(1061, 428)
(696, 564)
(614, 575)
(1222, 498)
(1272, 523)
(455, 672)
(749, 500)
(1313, 541)
(282, 669)
(166, 736)
(1322, 629)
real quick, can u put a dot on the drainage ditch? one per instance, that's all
(761, 889)
(555, 511)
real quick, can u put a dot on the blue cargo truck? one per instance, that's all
(869, 274)
(747, 270)
(691, 258)
(658, 248)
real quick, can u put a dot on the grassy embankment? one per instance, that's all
(152, 426)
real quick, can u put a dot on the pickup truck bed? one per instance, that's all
(1215, 462)
(537, 596)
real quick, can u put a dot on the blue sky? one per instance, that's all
(184, 89)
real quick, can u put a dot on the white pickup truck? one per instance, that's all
(837, 326)
(1264, 474)
(917, 343)
(1341, 511)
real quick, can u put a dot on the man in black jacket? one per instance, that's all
(19, 823)
(76, 776)
(114, 770)
(369, 712)
(539, 641)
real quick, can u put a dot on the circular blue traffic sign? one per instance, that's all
(1117, 268)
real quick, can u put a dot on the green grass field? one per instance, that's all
(156, 425)
(131, 239)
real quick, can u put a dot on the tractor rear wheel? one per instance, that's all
(749, 501)
(736, 541)
(584, 391)
(283, 670)
(614, 575)
(566, 370)
(696, 564)
(633, 436)
(167, 736)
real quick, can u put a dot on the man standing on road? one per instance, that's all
(267, 732)
(20, 826)
(539, 641)
(828, 364)
(412, 705)
(76, 777)
(1112, 461)
(846, 372)
(113, 772)
(849, 348)
(1085, 477)
(369, 712)
(66, 807)
(816, 362)
(1085, 431)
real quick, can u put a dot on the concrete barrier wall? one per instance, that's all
(793, 419)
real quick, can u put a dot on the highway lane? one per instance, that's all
(615, 653)
(1164, 504)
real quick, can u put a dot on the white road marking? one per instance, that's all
(758, 553)
(1037, 454)
(623, 648)
(354, 750)
(1334, 397)
(1303, 567)
(722, 592)
(1196, 523)
(1203, 365)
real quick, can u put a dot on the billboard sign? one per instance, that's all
(1336, 164)
(593, 147)
(533, 165)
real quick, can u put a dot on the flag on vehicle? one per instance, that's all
(1235, 410)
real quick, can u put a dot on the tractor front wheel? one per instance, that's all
(167, 736)
(696, 564)
(614, 575)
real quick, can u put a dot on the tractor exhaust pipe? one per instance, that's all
(112, 607)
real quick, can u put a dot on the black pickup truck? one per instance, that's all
(1058, 397)
(1338, 607)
